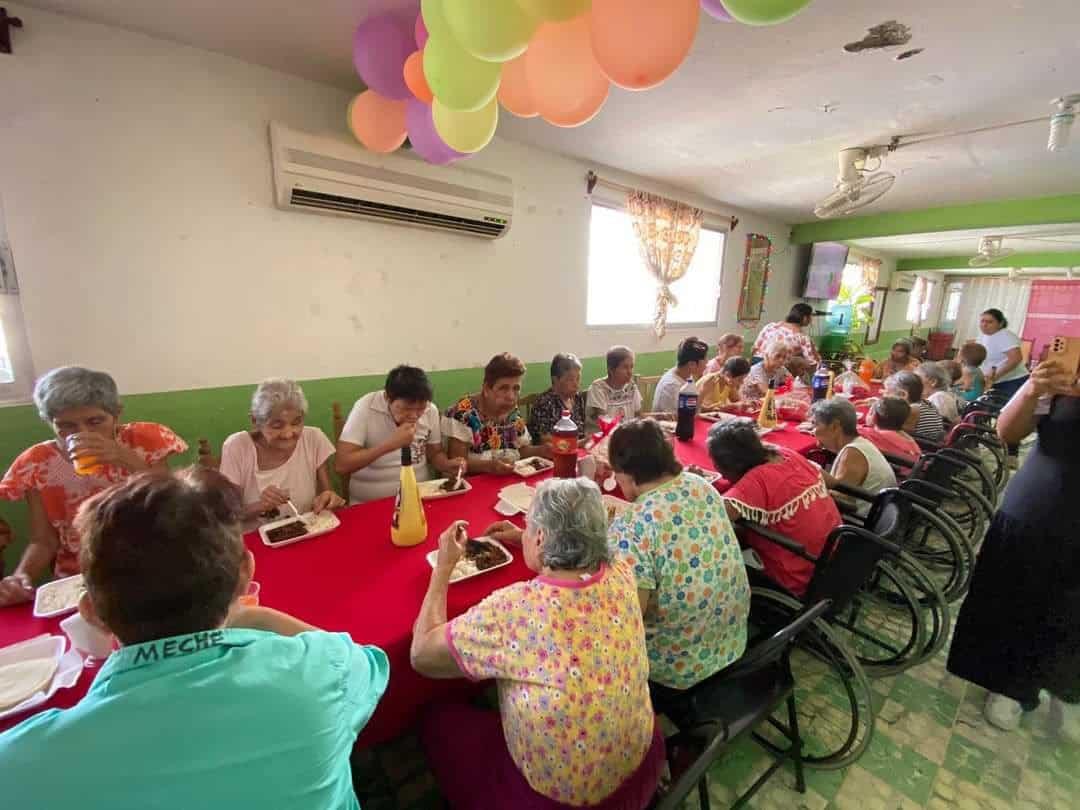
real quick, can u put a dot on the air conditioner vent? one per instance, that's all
(397, 213)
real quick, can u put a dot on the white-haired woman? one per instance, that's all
(92, 451)
(567, 651)
(280, 459)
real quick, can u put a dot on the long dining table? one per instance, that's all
(354, 580)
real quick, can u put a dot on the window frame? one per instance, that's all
(13, 325)
(612, 200)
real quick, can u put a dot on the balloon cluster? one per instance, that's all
(440, 81)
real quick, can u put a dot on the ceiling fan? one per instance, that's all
(856, 185)
(990, 250)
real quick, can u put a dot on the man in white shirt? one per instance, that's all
(380, 425)
(691, 357)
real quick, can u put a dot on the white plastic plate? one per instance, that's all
(69, 588)
(711, 476)
(68, 669)
(433, 491)
(527, 467)
(319, 524)
(517, 496)
(615, 506)
(432, 556)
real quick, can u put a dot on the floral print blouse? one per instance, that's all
(465, 423)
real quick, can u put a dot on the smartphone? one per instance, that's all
(1066, 352)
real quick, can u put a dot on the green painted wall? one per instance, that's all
(1050, 259)
(214, 413)
(1000, 213)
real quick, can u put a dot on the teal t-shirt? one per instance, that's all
(220, 719)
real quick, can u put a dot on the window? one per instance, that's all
(952, 301)
(918, 308)
(16, 374)
(622, 292)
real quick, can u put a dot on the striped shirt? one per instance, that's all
(930, 427)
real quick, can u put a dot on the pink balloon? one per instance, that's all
(380, 48)
(716, 10)
(421, 32)
(423, 137)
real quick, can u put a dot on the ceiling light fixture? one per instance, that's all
(1062, 120)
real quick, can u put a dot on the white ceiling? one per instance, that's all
(744, 120)
(1028, 239)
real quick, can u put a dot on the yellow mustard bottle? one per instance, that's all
(409, 525)
(832, 379)
(767, 417)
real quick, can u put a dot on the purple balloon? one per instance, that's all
(421, 32)
(423, 137)
(380, 48)
(716, 10)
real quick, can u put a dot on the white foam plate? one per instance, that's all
(433, 491)
(517, 496)
(432, 556)
(68, 668)
(324, 523)
(72, 587)
(506, 509)
(525, 467)
(711, 476)
(615, 506)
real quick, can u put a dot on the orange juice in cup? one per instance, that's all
(250, 597)
(84, 464)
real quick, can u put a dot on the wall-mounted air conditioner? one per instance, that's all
(902, 282)
(324, 175)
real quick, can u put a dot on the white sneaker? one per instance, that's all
(1065, 717)
(1002, 712)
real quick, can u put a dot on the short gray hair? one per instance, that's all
(571, 513)
(75, 387)
(837, 409)
(562, 363)
(936, 373)
(274, 393)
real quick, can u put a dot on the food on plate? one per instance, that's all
(287, 531)
(22, 679)
(321, 522)
(63, 594)
(480, 555)
(452, 484)
(537, 464)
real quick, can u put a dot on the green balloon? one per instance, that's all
(435, 19)
(457, 78)
(466, 131)
(764, 12)
(492, 30)
(556, 10)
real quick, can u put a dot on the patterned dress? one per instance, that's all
(569, 659)
(793, 339)
(484, 435)
(683, 548)
(547, 410)
(45, 469)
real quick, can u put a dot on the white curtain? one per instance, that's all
(980, 294)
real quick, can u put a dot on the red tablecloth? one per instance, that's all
(354, 580)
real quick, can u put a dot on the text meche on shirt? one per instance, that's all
(171, 648)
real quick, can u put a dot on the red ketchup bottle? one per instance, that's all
(564, 446)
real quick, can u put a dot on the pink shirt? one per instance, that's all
(795, 341)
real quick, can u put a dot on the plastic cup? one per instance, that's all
(89, 640)
(84, 464)
(250, 597)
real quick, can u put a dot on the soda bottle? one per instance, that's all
(686, 417)
(767, 417)
(564, 446)
(409, 524)
(820, 384)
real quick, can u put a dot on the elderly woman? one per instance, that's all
(565, 394)
(937, 385)
(616, 395)
(858, 463)
(487, 429)
(691, 579)
(280, 459)
(899, 359)
(885, 427)
(772, 368)
(92, 450)
(567, 651)
(779, 489)
(789, 332)
(730, 345)
(924, 421)
(380, 425)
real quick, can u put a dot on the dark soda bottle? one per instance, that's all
(686, 418)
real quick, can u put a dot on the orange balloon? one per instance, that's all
(567, 84)
(415, 79)
(377, 122)
(514, 92)
(640, 43)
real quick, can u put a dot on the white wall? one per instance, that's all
(136, 178)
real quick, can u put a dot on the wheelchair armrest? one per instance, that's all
(920, 483)
(867, 535)
(775, 537)
(927, 445)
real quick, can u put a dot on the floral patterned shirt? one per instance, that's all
(547, 410)
(795, 340)
(484, 435)
(45, 469)
(572, 672)
(683, 548)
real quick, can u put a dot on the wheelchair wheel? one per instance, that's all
(941, 546)
(930, 602)
(832, 694)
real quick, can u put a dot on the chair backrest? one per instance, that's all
(206, 457)
(337, 420)
(525, 406)
(647, 387)
(850, 556)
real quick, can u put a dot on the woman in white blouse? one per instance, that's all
(281, 459)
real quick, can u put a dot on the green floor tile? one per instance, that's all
(981, 767)
(918, 696)
(902, 768)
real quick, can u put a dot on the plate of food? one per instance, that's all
(615, 506)
(481, 555)
(291, 530)
(718, 416)
(534, 465)
(443, 488)
(709, 475)
(58, 597)
(33, 670)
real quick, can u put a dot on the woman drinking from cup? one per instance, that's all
(92, 450)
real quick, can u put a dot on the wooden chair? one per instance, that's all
(206, 458)
(337, 419)
(1025, 351)
(525, 405)
(647, 387)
